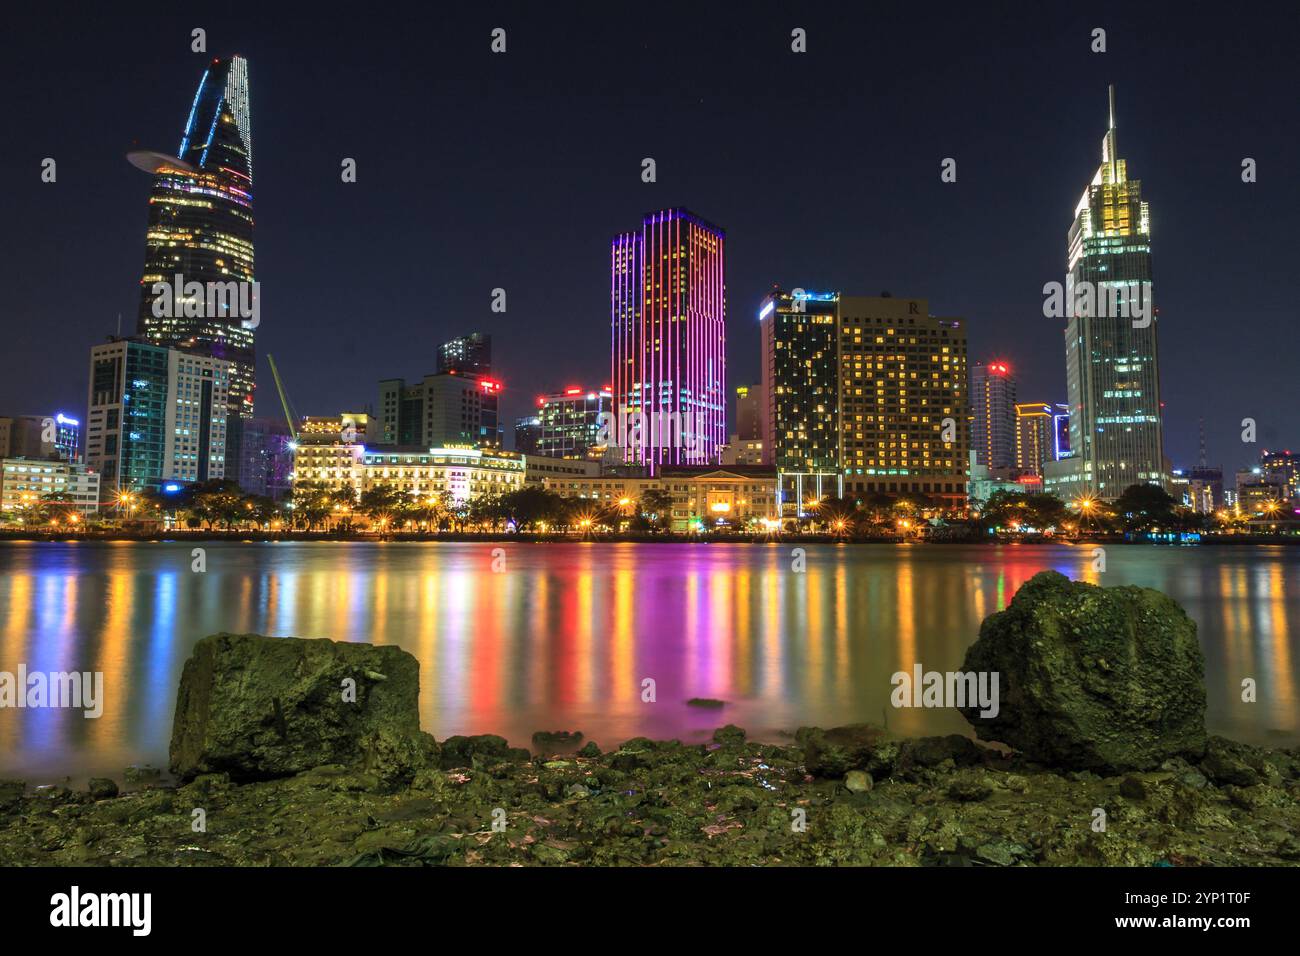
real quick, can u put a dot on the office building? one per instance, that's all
(155, 414)
(993, 422)
(197, 290)
(668, 355)
(1112, 372)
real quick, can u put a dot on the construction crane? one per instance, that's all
(289, 415)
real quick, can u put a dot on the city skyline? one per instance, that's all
(1026, 340)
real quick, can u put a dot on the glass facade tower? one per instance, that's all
(1111, 352)
(201, 229)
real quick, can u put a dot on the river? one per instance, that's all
(562, 636)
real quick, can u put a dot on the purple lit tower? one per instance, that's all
(668, 299)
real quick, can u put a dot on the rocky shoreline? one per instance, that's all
(846, 796)
(293, 752)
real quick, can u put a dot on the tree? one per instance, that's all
(657, 505)
(381, 504)
(1144, 506)
(311, 504)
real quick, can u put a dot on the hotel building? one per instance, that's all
(904, 407)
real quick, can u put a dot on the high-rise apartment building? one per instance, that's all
(668, 354)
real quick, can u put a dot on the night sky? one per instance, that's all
(478, 170)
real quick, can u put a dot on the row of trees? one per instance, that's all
(221, 505)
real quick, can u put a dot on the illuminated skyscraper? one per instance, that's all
(904, 408)
(800, 341)
(993, 428)
(1110, 338)
(668, 358)
(201, 229)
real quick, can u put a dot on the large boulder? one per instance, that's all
(263, 707)
(1091, 678)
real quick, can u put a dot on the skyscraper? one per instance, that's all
(155, 414)
(800, 341)
(668, 357)
(1110, 338)
(1035, 437)
(201, 230)
(903, 399)
(993, 428)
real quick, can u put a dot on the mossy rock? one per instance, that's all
(1092, 678)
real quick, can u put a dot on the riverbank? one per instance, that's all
(661, 538)
(936, 801)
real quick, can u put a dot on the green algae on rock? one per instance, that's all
(263, 707)
(1107, 679)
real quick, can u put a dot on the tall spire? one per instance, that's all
(1109, 152)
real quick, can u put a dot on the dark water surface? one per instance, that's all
(564, 635)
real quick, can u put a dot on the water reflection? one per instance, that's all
(565, 635)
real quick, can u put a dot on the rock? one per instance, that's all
(729, 735)
(137, 776)
(834, 752)
(1227, 762)
(969, 790)
(483, 749)
(556, 741)
(101, 788)
(857, 781)
(999, 852)
(1106, 679)
(933, 751)
(11, 794)
(265, 707)
(1134, 788)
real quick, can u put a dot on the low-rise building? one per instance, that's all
(538, 468)
(461, 473)
(703, 498)
(31, 482)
